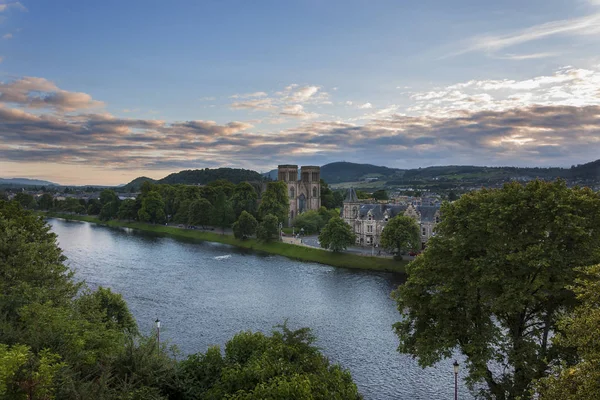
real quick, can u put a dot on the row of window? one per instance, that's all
(315, 192)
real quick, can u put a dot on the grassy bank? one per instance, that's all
(303, 253)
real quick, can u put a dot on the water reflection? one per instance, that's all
(204, 293)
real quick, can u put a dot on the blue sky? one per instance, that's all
(103, 92)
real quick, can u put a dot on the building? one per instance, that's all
(369, 220)
(304, 190)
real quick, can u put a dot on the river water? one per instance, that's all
(205, 292)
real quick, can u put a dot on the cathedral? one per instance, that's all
(304, 191)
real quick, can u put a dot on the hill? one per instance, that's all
(588, 171)
(204, 176)
(343, 171)
(135, 184)
(25, 182)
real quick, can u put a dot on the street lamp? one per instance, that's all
(157, 333)
(455, 379)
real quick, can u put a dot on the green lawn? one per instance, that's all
(303, 253)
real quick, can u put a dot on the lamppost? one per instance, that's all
(455, 379)
(157, 333)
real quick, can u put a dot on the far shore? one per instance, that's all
(302, 253)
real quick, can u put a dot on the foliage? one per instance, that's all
(245, 226)
(94, 207)
(31, 264)
(222, 215)
(313, 221)
(329, 198)
(111, 306)
(579, 330)
(109, 202)
(128, 210)
(46, 201)
(351, 172)
(401, 234)
(337, 235)
(268, 228)
(284, 365)
(275, 201)
(452, 196)
(244, 198)
(495, 279)
(153, 208)
(200, 212)
(380, 195)
(362, 195)
(25, 200)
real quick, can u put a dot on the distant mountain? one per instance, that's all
(343, 171)
(272, 174)
(589, 170)
(135, 184)
(200, 177)
(26, 182)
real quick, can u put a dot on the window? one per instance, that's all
(424, 231)
(314, 192)
(291, 177)
(370, 228)
(354, 212)
(437, 220)
(292, 193)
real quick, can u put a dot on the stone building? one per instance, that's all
(368, 220)
(304, 191)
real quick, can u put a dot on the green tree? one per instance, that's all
(94, 207)
(452, 196)
(3, 195)
(153, 208)
(327, 196)
(244, 198)
(578, 379)
(31, 264)
(25, 200)
(200, 212)
(285, 365)
(109, 202)
(401, 234)
(245, 226)
(362, 195)
(495, 279)
(275, 201)
(113, 309)
(46, 201)
(223, 215)
(309, 220)
(380, 195)
(337, 235)
(268, 229)
(128, 210)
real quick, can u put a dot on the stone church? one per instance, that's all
(369, 220)
(304, 190)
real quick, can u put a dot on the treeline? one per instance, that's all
(59, 339)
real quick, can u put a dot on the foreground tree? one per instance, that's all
(153, 208)
(494, 280)
(285, 365)
(200, 212)
(244, 199)
(245, 226)
(268, 228)
(222, 215)
(337, 235)
(128, 210)
(401, 234)
(580, 330)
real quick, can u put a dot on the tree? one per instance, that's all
(309, 220)
(579, 380)
(31, 264)
(128, 210)
(285, 365)
(25, 200)
(401, 234)
(380, 195)
(3, 195)
(336, 235)
(327, 196)
(244, 199)
(200, 212)
(275, 201)
(495, 279)
(153, 208)
(245, 226)
(223, 212)
(94, 207)
(46, 201)
(452, 196)
(362, 195)
(109, 202)
(268, 228)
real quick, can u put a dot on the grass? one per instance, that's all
(302, 253)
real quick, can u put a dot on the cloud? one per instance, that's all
(7, 36)
(16, 5)
(366, 105)
(582, 26)
(249, 95)
(532, 56)
(297, 111)
(32, 92)
(261, 104)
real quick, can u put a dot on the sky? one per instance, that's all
(101, 92)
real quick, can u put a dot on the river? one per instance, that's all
(205, 292)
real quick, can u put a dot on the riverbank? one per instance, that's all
(302, 253)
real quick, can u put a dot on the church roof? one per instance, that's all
(351, 196)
